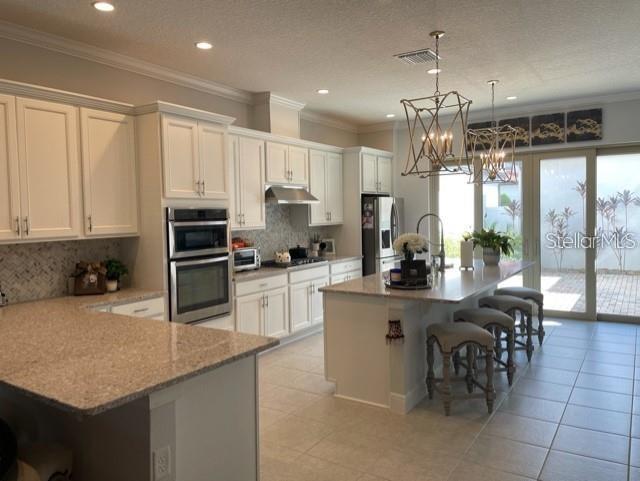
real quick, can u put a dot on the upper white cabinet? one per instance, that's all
(49, 169)
(325, 183)
(109, 173)
(377, 173)
(287, 164)
(10, 219)
(194, 159)
(248, 174)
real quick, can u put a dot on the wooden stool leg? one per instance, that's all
(446, 382)
(456, 363)
(540, 325)
(511, 344)
(470, 360)
(529, 336)
(430, 374)
(491, 394)
(498, 347)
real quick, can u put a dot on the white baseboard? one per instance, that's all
(403, 403)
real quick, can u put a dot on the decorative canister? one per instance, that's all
(396, 275)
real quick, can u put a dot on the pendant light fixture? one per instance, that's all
(493, 150)
(433, 121)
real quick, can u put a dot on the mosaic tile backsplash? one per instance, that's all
(281, 232)
(40, 270)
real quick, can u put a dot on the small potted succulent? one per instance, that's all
(115, 270)
(493, 244)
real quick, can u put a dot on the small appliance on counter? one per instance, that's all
(297, 256)
(246, 259)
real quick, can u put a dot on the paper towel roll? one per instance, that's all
(466, 254)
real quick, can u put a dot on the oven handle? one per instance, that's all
(198, 223)
(199, 262)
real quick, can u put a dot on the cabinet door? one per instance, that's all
(251, 173)
(213, 161)
(48, 141)
(249, 313)
(277, 163)
(10, 222)
(369, 173)
(235, 187)
(318, 213)
(276, 318)
(299, 165)
(317, 306)
(334, 188)
(385, 175)
(299, 305)
(180, 158)
(109, 173)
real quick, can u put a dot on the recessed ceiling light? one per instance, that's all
(103, 6)
(511, 97)
(390, 116)
(323, 91)
(434, 71)
(204, 45)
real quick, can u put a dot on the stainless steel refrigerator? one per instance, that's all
(381, 225)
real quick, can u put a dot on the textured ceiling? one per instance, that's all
(541, 50)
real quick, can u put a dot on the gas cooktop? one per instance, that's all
(294, 262)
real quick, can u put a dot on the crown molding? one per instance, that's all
(55, 43)
(377, 127)
(269, 98)
(259, 134)
(169, 108)
(53, 95)
(327, 121)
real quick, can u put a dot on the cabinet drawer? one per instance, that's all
(260, 285)
(344, 277)
(348, 266)
(225, 323)
(147, 308)
(308, 274)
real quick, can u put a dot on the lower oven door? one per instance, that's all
(200, 288)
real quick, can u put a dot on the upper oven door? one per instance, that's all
(197, 238)
(200, 288)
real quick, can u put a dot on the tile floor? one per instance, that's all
(573, 414)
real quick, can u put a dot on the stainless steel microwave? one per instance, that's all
(197, 232)
(246, 259)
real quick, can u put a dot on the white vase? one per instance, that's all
(112, 285)
(466, 254)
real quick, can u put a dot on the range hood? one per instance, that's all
(277, 194)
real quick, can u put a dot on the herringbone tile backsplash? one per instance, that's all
(38, 271)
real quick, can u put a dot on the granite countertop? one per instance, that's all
(274, 271)
(61, 352)
(452, 286)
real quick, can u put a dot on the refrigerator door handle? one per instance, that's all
(394, 223)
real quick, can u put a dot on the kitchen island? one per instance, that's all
(128, 395)
(358, 358)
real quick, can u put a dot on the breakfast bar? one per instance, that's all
(368, 367)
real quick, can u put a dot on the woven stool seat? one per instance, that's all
(450, 336)
(483, 316)
(506, 303)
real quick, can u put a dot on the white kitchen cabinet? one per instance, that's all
(248, 174)
(249, 313)
(305, 298)
(263, 313)
(377, 173)
(287, 164)
(194, 159)
(10, 219)
(49, 164)
(325, 183)
(276, 313)
(316, 304)
(300, 305)
(109, 173)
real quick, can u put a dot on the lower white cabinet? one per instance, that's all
(263, 313)
(153, 308)
(346, 271)
(348, 276)
(305, 300)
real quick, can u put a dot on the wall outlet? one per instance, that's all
(162, 463)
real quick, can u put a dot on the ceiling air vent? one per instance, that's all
(416, 57)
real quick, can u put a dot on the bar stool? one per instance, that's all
(451, 337)
(532, 295)
(513, 306)
(496, 322)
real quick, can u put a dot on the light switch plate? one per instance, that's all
(162, 463)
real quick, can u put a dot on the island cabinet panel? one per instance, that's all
(10, 222)
(248, 178)
(48, 140)
(109, 173)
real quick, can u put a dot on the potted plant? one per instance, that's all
(409, 245)
(115, 270)
(493, 244)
